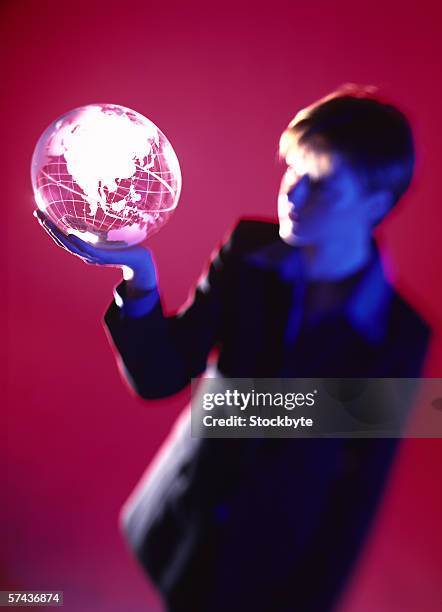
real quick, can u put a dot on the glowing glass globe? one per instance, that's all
(106, 174)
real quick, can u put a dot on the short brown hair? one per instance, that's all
(374, 137)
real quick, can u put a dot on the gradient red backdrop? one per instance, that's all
(221, 80)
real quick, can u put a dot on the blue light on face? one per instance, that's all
(298, 195)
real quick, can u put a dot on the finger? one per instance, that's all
(44, 220)
(69, 249)
(99, 256)
(38, 214)
(75, 245)
(56, 236)
(51, 234)
(60, 239)
(50, 225)
(64, 242)
(82, 244)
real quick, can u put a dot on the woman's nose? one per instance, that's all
(298, 194)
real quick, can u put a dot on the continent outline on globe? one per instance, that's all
(107, 174)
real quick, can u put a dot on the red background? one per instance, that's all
(221, 81)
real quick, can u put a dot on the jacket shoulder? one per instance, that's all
(413, 334)
(250, 234)
(405, 317)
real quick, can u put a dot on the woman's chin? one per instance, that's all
(292, 233)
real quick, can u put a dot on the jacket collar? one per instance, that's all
(366, 305)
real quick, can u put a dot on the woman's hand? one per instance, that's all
(136, 262)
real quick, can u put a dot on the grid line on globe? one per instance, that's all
(106, 174)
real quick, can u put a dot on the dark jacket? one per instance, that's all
(259, 525)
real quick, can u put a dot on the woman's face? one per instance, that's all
(321, 197)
